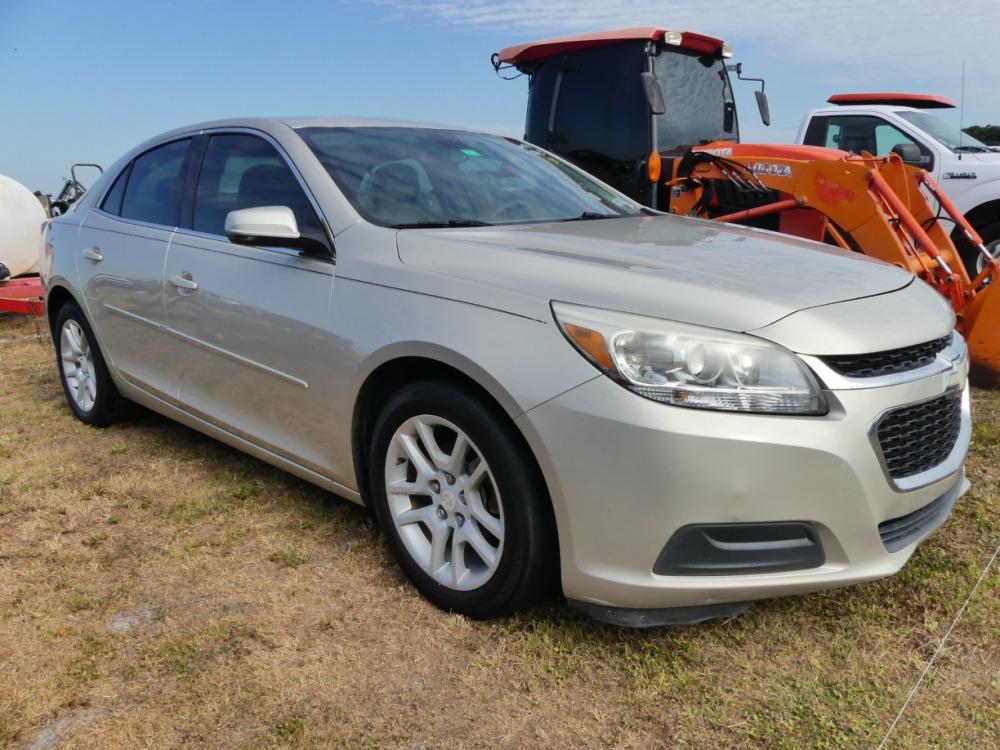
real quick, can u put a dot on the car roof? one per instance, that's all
(299, 121)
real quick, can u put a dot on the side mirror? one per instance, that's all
(262, 225)
(762, 105)
(274, 226)
(654, 93)
(909, 153)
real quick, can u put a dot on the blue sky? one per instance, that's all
(86, 80)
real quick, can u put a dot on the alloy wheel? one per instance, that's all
(78, 365)
(444, 502)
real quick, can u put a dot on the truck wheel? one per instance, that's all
(971, 257)
(461, 505)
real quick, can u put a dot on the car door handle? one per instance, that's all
(184, 281)
(94, 254)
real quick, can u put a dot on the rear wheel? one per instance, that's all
(85, 378)
(460, 502)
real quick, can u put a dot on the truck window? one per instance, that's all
(857, 133)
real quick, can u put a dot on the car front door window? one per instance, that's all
(243, 171)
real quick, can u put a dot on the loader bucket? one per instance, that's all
(979, 322)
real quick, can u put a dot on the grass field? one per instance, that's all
(158, 589)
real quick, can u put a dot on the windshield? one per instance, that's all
(698, 96)
(944, 132)
(413, 177)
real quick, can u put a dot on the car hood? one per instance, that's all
(665, 266)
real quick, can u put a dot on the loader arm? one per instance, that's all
(878, 206)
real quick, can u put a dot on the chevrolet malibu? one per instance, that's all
(529, 379)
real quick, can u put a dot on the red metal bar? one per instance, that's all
(751, 213)
(22, 296)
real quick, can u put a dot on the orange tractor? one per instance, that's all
(652, 113)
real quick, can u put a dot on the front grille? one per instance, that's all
(889, 362)
(916, 438)
(901, 532)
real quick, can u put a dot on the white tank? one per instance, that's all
(21, 217)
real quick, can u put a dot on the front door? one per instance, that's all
(250, 323)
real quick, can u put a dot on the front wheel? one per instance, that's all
(460, 501)
(972, 257)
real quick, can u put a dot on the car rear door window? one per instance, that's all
(243, 171)
(154, 190)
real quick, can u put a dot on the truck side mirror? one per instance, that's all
(654, 93)
(765, 110)
(909, 153)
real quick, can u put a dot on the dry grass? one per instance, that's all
(160, 590)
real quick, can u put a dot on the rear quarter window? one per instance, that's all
(113, 200)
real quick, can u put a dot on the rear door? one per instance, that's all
(250, 322)
(122, 247)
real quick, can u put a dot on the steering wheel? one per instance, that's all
(515, 210)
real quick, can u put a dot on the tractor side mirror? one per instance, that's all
(765, 110)
(654, 93)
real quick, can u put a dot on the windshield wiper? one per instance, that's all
(442, 224)
(975, 149)
(591, 215)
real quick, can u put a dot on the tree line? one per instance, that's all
(988, 134)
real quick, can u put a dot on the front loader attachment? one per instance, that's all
(875, 205)
(979, 322)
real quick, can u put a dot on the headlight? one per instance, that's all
(688, 365)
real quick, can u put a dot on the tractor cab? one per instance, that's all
(618, 103)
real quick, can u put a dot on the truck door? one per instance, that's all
(857, 133)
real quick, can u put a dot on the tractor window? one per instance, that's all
(697, 92)
(602, 119)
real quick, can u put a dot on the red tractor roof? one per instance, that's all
(533, 51)
(920, 101)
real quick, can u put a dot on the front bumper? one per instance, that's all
(626, 473)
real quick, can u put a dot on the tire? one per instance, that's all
(971, 256)
(85, 378)
(520, 563)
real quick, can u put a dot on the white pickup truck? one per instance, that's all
(969, 171)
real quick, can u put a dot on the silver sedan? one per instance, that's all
(534, 383)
